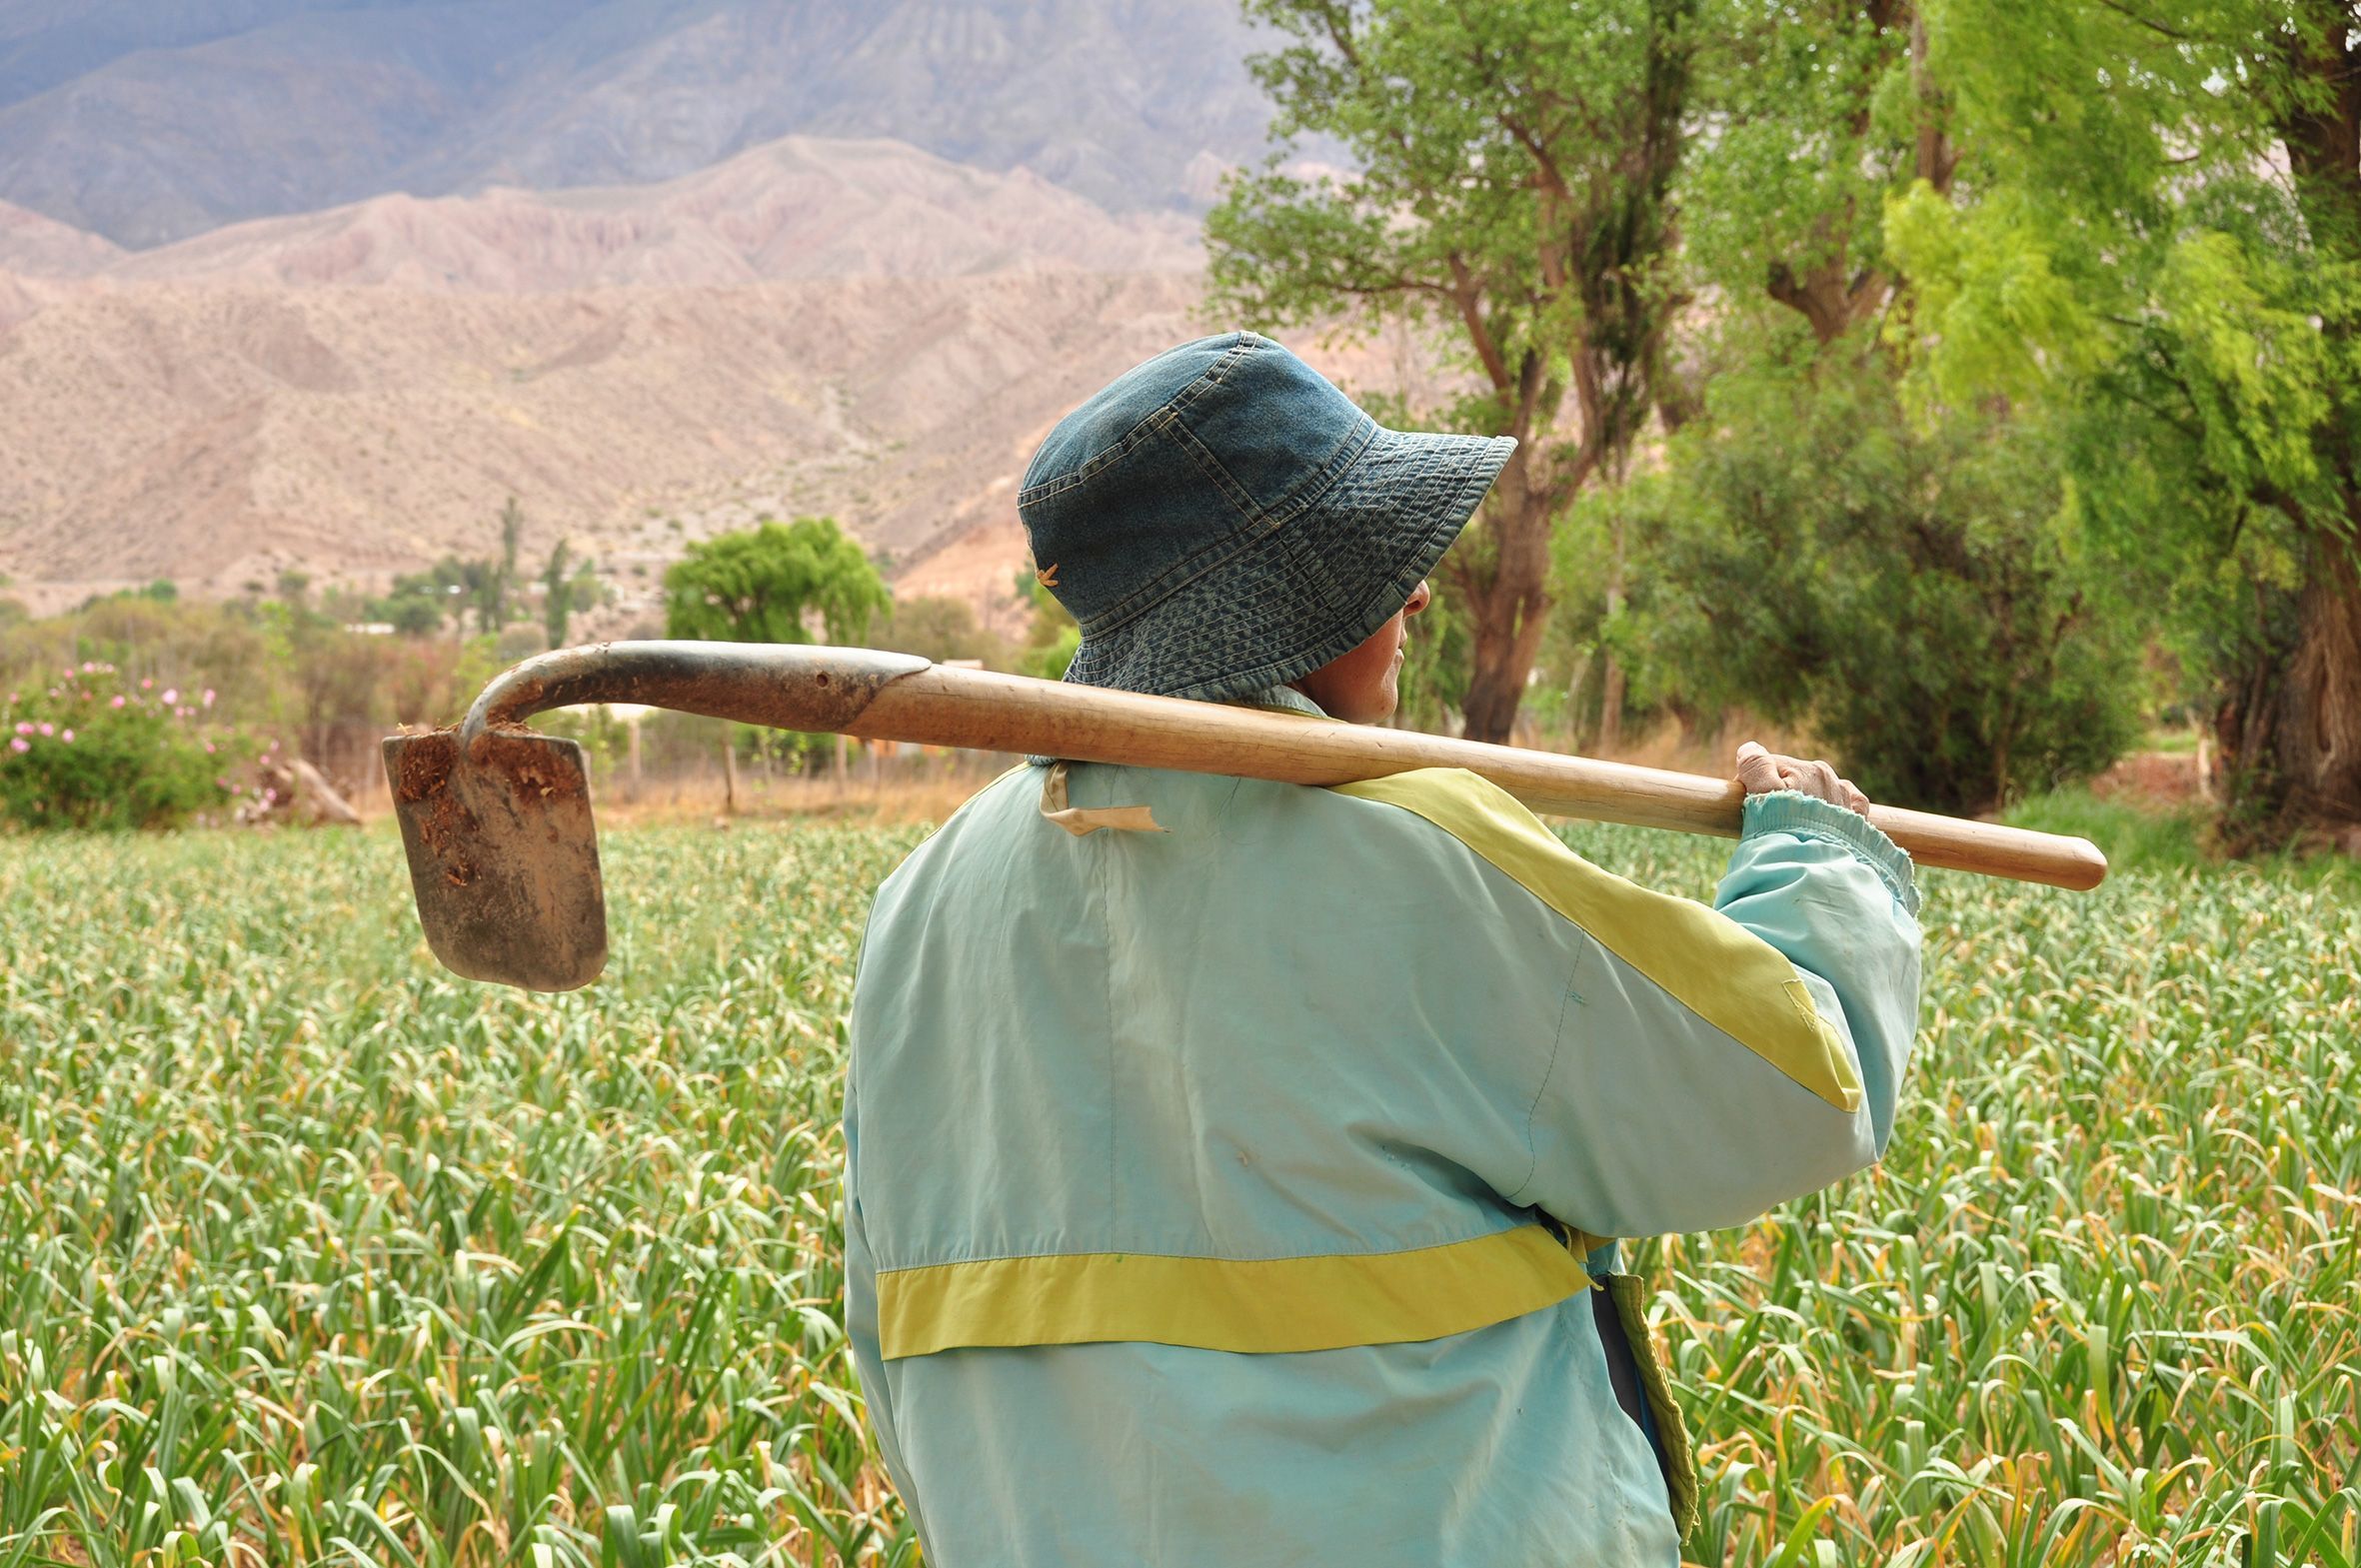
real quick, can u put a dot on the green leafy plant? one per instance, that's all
(304, 1241)
(96, 749)
(1906, 590)
(757, 585)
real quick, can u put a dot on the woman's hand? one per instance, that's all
(1762, 772)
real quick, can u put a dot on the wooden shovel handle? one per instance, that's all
(897, 697)
(996, 713)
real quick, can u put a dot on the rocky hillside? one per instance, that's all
(797, 208)
(148, 122)
(855, 328)
(217, 434)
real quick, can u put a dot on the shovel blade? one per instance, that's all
(503, 858)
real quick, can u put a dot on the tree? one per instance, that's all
(763, 585)
(1514, 161)
(1822, 111)
(942, 628)
(411, 611)
(2166, 251)
(1908, 581)
(498, 578)
(567, 586)
(1903, 589)
(557, 594)
(758, 586)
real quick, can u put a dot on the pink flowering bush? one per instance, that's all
(91, 748)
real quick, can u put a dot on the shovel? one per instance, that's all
(504, 856)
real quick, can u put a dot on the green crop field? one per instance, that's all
(310, 1253)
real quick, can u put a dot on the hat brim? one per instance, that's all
(1309, 590)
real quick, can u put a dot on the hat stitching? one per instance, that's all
(1177, 580)
(1053, 487)
(1315, 487)
(1342, 633)
(1210, 376)
(1342, 636)
(1216, 470)
(1177, 576)
(1343, 628)
(1184, 573)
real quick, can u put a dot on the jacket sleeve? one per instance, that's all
(1671, 1066)
(1686, 1091)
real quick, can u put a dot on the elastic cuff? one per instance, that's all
(1808, 817)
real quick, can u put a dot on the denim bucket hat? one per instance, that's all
(1221, 520)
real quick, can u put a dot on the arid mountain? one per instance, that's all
(850, 328)
(219, 435)
(33, 246)
(797, 208)
(149, 122)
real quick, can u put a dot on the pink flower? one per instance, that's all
(68, 738)
(19, 744)
(25, 728)
(209, 697)
(147, 684)
(171, 696)
(118, 701)
(209, 753)
(48, 728)
(88, 668)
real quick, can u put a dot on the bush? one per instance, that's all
(1910, 592)
(99, 750)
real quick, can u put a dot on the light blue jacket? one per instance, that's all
(1231, 1194)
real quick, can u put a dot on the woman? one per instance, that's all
(1245, 1187)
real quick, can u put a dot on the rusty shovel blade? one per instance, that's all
(503, 858)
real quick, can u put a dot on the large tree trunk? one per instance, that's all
(2318, 729)
(1610, 702)
(1508, 592)
(2288, 726)
(2311, 781)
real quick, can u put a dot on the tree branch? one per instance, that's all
(1468, 298)
(2152, 25)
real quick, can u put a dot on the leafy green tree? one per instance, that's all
(498, 580)
(1513, 168)
(567, 586)
(98, 749)
(557, 594)
(1908, 584)
(2163, 246)
(940, 629)
(1823, 110)
(758, 586)
(413, 612)
(1905, 591)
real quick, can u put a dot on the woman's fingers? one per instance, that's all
(1758, 771)
(1762, 772)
